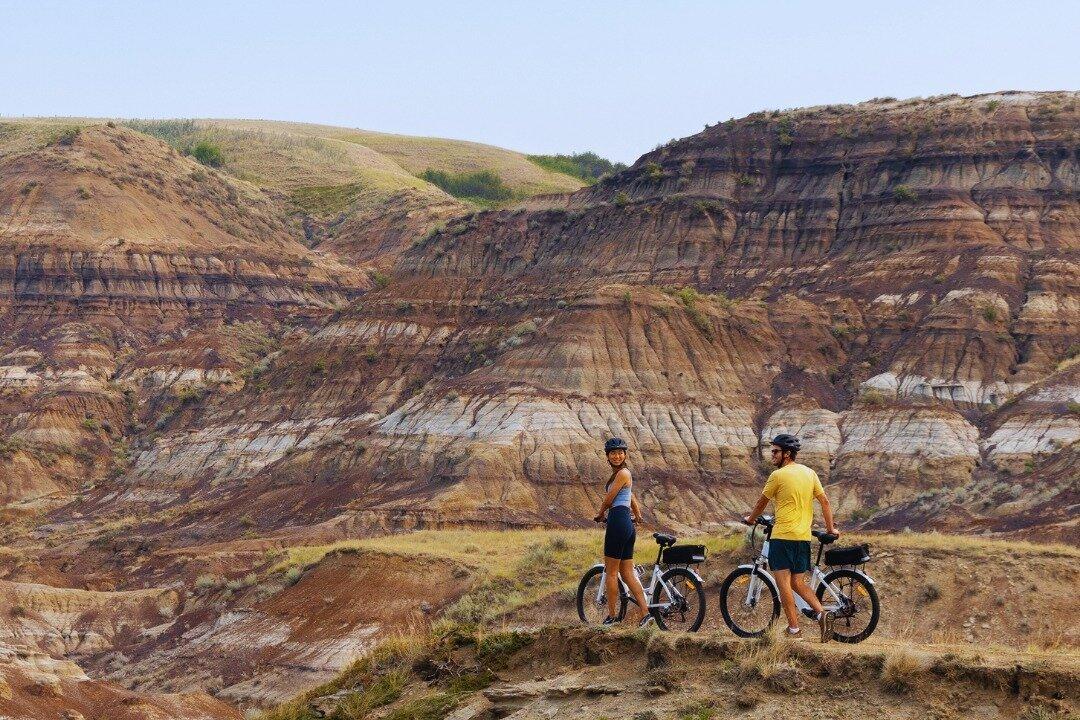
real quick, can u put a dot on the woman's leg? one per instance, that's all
(611, 585)
(626, 569)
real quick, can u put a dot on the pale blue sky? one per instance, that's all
(615, 77)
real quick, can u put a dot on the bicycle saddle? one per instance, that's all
(824, 537)
(664, 540)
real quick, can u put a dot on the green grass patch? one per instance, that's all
(586, 166)
(482, 187)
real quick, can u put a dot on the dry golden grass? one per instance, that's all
(962, 543)
(900, 671)
(412, 155)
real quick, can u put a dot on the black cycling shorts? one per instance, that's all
(793, 555)
(620, 536)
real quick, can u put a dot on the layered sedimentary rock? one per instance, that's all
(111, 242)
(882, 279)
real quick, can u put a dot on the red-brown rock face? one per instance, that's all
(882, 279)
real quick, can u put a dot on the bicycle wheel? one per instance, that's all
(748, 616)
(592, 598)
(857, 614)
(685, 609)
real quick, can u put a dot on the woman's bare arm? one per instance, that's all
(635, 508)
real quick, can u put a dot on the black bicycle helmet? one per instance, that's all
(786, 441)
(615, 444)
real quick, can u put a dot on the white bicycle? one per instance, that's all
(750, 601)
(676, 595)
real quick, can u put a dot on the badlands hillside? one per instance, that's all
(215, 376)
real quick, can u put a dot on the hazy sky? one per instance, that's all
(615, 77)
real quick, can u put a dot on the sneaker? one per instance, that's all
(609, 621)
(825, 621)
(794, 634)
(645, 620)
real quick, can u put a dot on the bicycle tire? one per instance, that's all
(871, 593)
(725, 610)
(679, 578)
(581, 600)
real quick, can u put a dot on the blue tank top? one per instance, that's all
(622, 498)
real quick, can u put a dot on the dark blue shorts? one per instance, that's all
(793, 555)
(620, 536)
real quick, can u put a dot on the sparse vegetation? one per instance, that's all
(208, 582)
(29, 187)
(621, 199)
(654, 172)
(380, 279)
(903, 193)
(900, 672)
(327, 199)
(67, 136)
(586, 166)
(83, 193)
(785, 131)
(989, 313)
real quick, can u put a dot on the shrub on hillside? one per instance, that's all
(67, 136)
(587, 166)
(206, 153)
(483, 186)
(903, 193)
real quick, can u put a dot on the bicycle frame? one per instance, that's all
(760, 574)
(648, 589)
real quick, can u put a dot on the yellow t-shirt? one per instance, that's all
(793, 489)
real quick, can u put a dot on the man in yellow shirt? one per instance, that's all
(793, 488)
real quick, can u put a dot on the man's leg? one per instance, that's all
(787, 600)
(805, 592)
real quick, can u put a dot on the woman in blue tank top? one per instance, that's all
(622, 511)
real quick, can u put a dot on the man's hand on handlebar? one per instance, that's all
(746, 520)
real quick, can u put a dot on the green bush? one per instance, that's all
(622, 199)
(654, 172)
(67, 136)
(380, 279)
(903, 193)
(206, 153)
(587, 166)
(482, 187)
